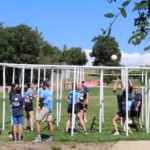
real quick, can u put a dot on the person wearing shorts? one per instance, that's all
(121, 109)
(11, 94)
(17, 104)
(45, 112)
(76, 110)
(29, 97)
(136, 107)
(86, 98)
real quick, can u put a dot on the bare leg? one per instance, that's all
(114, 121)
(68, 122)
(14, 131)
(51, 130)
(38, 128)
(19, 131)
(26, 120)
(81, 121)
(31, 120)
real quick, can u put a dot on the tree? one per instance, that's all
(104, 47)
(141, 23)
(73, 56)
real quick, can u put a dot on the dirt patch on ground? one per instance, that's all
(55, 146)
(121, 145)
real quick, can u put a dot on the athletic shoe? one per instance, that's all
(15, 140)
(116, 133)
(20, 140)
(10, 136)
(37, 140)
(50, 139)
(85, 132)
(85, 120)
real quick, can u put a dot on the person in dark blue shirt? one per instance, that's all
(136, 106)
(17, 104)
(86, 97)
(121, 99)
(11, 94)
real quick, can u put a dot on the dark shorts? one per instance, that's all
(135, 114)
(121, 114)
(76, 109)
(81, 106)
(29, 107)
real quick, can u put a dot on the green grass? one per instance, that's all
(110, 108)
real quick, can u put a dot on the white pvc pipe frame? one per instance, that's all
(66, 67)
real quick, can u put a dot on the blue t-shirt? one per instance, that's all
(11, 94)
(17, 101)
(29, 94)
(70, 96)
(47, 99)
(130, 92)
(85, 91)
(136, 99)
(40, 91)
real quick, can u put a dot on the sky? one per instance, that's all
(75, 23)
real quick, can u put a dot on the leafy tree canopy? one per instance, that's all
(141, 23)
(73, 56)
(104, 47)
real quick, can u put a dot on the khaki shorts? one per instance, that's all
(44, 115)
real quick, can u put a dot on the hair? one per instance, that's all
(29, 84)
(25, 89)
(12, 87)
(18, 90)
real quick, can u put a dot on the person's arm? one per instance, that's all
(115, 86)
(130, 82)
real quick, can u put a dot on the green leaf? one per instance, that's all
(147, 48)
(123, 12)
(126, 3)
(109, 15)
(136, 6)
(143, 5)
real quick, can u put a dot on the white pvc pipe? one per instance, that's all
(60, 105)
(101, 99)
(142, 96)
(148, 109)
(146, 98)
(44, 74)
(4, 97)
(31, 78)
(52, 79)
(13, 78)
(78, 75)
(57, 104)
(127, 115)
(73, 104)
(23, 80)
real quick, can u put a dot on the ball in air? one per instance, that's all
(114, 57)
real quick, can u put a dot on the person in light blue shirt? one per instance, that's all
(29, 97)
(45, 112)
(76, 109)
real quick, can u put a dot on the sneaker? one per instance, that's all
(50, 139)
(20, 140)
(85, 120)
(116, 133)
(15, 140)
(10, 136)
(85, 132)
(37, 140)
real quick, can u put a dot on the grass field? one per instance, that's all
(110, 108)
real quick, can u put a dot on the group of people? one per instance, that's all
(45, 107)
(18, 103)
(81, 104)
(134, 105)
